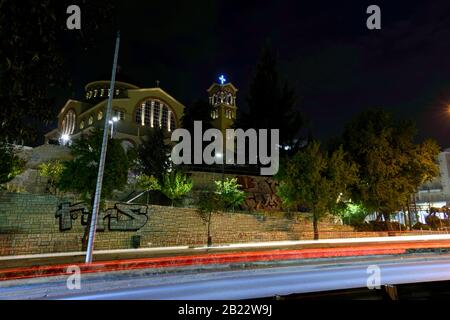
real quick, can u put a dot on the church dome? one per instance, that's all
(99, 90)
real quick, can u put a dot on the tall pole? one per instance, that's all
(101, 164)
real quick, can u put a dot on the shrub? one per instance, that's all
(148, 182)
(175, 184)
(53, 171)
(229, 193)
(421, 226)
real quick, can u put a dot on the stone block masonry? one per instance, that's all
(28, 225)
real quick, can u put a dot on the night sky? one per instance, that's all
(337, 66)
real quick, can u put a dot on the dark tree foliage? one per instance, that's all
(391, 165)
(10, 164)
(33, 58)
(80, 173)
(316, 180)
(271, 103)
(200, 110)
(154, 154)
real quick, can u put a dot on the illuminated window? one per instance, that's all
(95, 93)
(119, 114)
(100, 115)
(154, 113)
(68, 123)
(82, 125)
(91, 120)
(215, 114)
(102, 92)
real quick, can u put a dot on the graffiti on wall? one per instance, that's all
(123, 217)
(261, 193)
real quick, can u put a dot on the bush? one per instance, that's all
(53, 171)
(148, 182)
(229, 193)
(362, 226)
(175, 184)
(421, 226)
(380, 226)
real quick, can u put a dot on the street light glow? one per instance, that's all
(64, 139)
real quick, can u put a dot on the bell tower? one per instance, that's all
(222, 98)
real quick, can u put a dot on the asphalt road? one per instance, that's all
(237, 281)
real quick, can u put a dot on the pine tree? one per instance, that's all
(271, 103)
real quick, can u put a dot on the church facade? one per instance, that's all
(136, 110)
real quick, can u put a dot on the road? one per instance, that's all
(236, 281)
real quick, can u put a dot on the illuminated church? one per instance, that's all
(135, 110)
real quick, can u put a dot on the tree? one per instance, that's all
(271, 104)
(154, 154)
(10, 164)
(229, 193)
(33, 59)
(208, 203)
(80, 173)
(175, 184)
(315, 180)
(200, 110)
(53, 171)
(148, 183)
(391, 165)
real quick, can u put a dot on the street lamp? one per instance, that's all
(101, 165)
(64, 139)
(111, 122)
(220, 156)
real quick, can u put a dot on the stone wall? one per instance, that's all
(28, 225)
(260, 190)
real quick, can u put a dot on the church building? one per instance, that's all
(135, 110)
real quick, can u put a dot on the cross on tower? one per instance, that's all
(222, 79)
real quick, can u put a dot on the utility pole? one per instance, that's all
(101, 164)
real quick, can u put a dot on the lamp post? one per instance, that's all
(220, 156)
(101, 164)
(111, 122)
(65, 139)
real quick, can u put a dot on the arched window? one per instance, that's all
(154, 113)
(68, 123)
(120, 114)
(91, 120)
